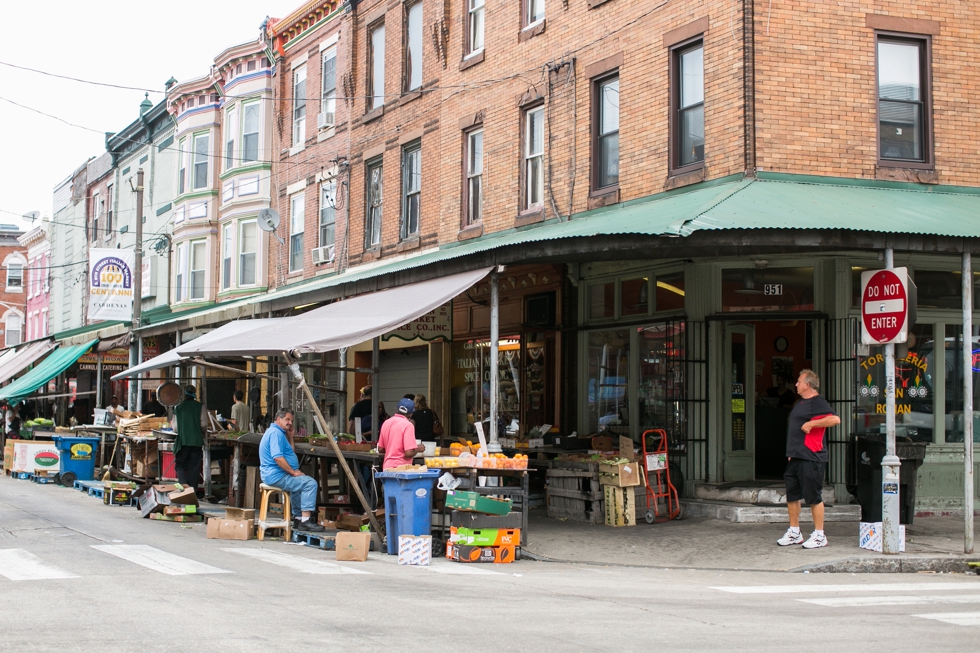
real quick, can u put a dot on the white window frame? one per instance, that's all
(231, 134)
(411, 190)
(413, 46)
(180, 273)
(227, 247)
(328, 94)
(97, 210)
(201, 159)
(253, 224)
(202, 271)
(297, 226)
(476, 26)
(533, 158)
(11, 264)
(108, 211)
(474, 177)
(299, 106)
(531, 18)
(7, 330)
(376, 43)
(328, 212)
(256, 134)
(374, 206)
(182, 158)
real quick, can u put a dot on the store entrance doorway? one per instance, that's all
(762, 361)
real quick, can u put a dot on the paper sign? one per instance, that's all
(626, 448)
(357, 431)
(483, 438)
(738, 406)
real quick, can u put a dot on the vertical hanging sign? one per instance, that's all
(111, 284)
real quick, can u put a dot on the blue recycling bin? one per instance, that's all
(77, 458)
(408, 504)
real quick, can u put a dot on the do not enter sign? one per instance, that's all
(884, 306)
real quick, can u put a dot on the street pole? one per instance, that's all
(493, 444)
(967, 403)
(375, 389)
(134, 353)
(890, 464)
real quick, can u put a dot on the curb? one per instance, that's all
(897, 565)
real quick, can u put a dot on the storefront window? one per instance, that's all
(661, 384)
(602, 300)
(471, 386)
(942, 289)
(670, 292)
(608, 381)
(634, 296)
(914, 388)
(954, 382)
(775, 289)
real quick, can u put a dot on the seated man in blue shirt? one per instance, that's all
(279, 467)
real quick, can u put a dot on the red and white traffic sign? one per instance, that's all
(884, 306)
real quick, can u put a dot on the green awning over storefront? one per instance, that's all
(59, 361)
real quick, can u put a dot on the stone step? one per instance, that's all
(748, 513)
(771, 495)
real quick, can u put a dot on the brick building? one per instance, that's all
(13, 298)
(38, 281)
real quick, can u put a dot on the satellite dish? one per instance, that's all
(32, 216)
(268, 219)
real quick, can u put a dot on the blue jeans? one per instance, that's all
(302, 492)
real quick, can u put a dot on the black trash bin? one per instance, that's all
(868, 452)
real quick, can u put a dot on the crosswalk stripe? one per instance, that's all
(297, 563)
(157, 560)
(878, 587)
(955, 618)
(18, 564)
(867, 601)
(441, 565)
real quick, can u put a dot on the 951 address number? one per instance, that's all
(773, 289)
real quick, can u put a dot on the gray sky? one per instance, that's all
(111, 41)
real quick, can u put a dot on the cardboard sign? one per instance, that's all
(626, 448)
(482, 437)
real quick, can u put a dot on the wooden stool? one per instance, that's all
(263, 522)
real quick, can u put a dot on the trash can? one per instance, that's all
(868, 452)
(408, 504)
(77, 458)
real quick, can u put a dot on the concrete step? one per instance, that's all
(748, 513)
(772, 495)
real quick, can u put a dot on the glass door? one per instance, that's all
(739, 403)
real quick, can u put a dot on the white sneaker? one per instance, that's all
(791, 537)
(816, 541)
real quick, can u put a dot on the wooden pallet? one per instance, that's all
(23, 476)
(41, 479)
(573, 492)
(320, 540)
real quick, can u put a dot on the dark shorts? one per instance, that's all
(804, 480)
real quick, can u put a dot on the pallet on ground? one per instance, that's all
(41, 479)
(573, 491)
(21, 476)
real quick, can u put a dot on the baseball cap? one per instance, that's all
(406, 407)
(190, 391)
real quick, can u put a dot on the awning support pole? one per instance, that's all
(493, 445)
(890, 464)
(968, 366)
(326, 430)
(375, 388)
(98, 380)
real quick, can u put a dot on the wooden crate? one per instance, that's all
(573, 492)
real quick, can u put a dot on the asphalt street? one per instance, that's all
(82, 577)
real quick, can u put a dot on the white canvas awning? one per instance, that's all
(341, 324)
(14, 362)
(172, 357)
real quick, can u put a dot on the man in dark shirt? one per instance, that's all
(154, 407)
(361, 411)
(806, 451)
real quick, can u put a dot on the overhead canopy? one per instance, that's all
(59, 361)
(15, 361)
(171, 357)
(341, 324)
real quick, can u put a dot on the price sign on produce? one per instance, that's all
(884, 306)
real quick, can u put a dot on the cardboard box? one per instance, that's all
(485, 536)
(154, 498)
(870, 536)
(620, 475)
(240, 514)
(415, 550)
(620, 505)
(35, 456)
(8, 455)
(494, 554)
(602, 443)
(473, 502)
(459, 518)
(353, 547)
(117, 497)
(159, 516)
(180, 510)
(184, 496)
(231, 529)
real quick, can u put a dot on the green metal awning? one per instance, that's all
(59, 361)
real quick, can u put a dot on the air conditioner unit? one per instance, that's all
(322, 255)
(325, 120)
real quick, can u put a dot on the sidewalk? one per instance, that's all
(932, 544)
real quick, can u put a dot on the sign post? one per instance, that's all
(884, 321)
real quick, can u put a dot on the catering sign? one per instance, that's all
(111, 284)
(437, 324)
(884, 306)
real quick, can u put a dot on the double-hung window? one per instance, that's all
(903, 96)
(248, 248)
(372, 228)
(180, 287)
(533, 12)
(15, 275)
(606, 145)
(299, 106)
(231, 131)
(476, 11)
(182, 162)
(376, 70)
(328, 82)
(108, 213)
(226, 254)
(96, 214)
(534, 157)
(328, 212)
(297, 224)
(14, 326)
(201, 154)
(688, 101)
(199, 261)
(411, 189)
(413, 47)
(250, 132)
(473, 191)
